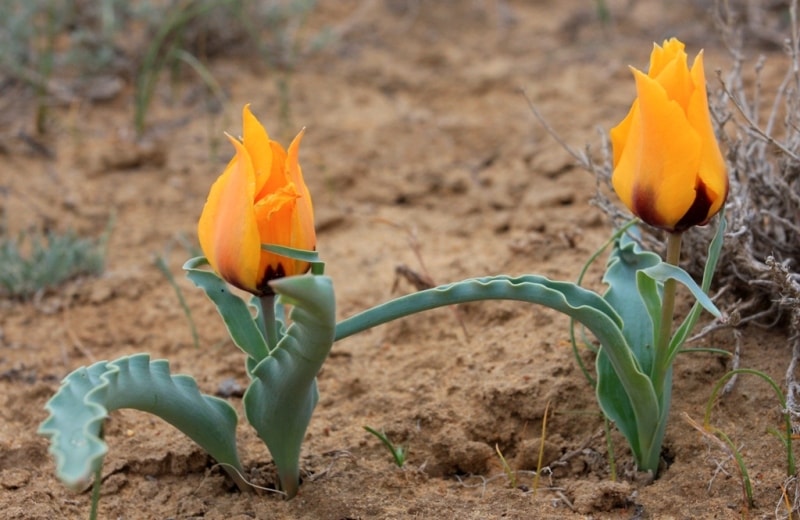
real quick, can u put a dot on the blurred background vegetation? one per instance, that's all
(55, 52)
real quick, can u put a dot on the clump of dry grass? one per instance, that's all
(759, 267)
(759, 274)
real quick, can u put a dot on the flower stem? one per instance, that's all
(268, 318)
(660, 367)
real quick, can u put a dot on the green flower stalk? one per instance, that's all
(669, 171)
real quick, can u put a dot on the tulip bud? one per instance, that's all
(260, 198)
(668, 169)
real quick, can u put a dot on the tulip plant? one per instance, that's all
(257, 234)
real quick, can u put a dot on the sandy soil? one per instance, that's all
(417, 134)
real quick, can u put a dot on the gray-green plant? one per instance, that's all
(162, 265)
(161, 261)
(34, 262)
(270, 28)
(166, 51)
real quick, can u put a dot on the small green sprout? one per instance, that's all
(398, 452)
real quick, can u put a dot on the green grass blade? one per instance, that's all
(164, 268)
(398, 453)
(791, 467)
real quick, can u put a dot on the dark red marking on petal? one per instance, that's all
(270, 274)
(644, 207)
(698, 212)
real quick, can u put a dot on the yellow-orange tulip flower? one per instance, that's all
(667, 165)
(260, 198)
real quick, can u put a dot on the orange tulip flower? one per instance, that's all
(260, 198)
(668, 169)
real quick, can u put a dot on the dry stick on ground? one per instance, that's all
(719, 467)
(562, 461)
(223, 465)
(787, 504)
(420, 280)
(737, 350)
(336, 456)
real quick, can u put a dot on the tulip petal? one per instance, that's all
(293, 163)
(275, 215)
(276, 178)
(712, 170)
(284, 213)
(620, 133)
(626, 141)
(668, 157)
(664, 54)
(304, 233)
(256, 141)
(675, 79)
(227, 228)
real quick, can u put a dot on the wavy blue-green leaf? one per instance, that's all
(637, 420)
(283, 393)
(639, 325)
(625, 260)
(87, 395)
(242, 326)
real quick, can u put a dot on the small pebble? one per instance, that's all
(230, 388)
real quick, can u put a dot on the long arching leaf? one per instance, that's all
(87, 395)
(585, 306)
